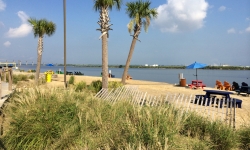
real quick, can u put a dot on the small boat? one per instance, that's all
(49, 65)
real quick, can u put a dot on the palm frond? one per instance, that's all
(99, 4)
(42, 27)
(141, 12)
(130, 26)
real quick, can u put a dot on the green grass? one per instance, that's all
(69, 119)
(72, 80)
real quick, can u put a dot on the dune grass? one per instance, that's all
(73, 119)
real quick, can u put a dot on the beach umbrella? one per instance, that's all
(196, 66)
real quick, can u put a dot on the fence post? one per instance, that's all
(10, 77)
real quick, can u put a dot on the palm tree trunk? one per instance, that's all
(125, 72)
(104, 61)
(39, 58)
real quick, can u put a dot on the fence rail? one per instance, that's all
(223, 110)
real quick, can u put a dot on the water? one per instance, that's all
(161, 75)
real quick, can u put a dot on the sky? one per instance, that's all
(214, 32)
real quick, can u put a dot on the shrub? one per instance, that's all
(72, 80)
(16, 78)
(244, 137)
(43, 119)
(96, 86)
(32, 77)
(80, 86)
(114, 84)
(221, 136)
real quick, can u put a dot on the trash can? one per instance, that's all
(183, 82)
(48, 75)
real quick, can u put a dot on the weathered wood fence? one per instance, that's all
(224, 110)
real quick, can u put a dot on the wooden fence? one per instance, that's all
(220, 110)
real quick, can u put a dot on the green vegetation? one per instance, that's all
(19, 77)
(73, 119)
(41, 28)
(140, 15)
(103, 7)
(72, 80)
(80, 86)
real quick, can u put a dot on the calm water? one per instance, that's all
(161, 75)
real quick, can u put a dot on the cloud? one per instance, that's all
(232, 30)
(222, 8)
(2, 5)
(7, 44)
(179, 15)
(23, 30)
(248, 29)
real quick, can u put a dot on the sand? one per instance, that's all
(162, 88)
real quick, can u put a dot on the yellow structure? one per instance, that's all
(48, 75)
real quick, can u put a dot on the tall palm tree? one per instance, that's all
(103, 7)
(140, 14)
(40, 28)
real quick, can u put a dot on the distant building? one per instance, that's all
(146, 65)
(155, 65)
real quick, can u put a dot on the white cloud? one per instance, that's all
(2, 5)
(222, 8)
(179, 15)
(232, 30)
(23, 30)
(7, 44)
(248, 29)
(23, 16)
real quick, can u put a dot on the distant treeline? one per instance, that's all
(161, 66)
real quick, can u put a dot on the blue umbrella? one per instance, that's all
(196, 66)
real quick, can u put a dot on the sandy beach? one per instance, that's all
(161, 88)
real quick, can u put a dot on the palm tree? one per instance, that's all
(140, 14)
(40, 28)
(103, 7)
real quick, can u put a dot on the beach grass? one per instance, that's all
(42, 118)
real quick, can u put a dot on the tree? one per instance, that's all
(140, 14)
(103, 7)
(40, 28)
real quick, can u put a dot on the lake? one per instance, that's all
(160, 75)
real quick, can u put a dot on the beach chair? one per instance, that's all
(244, 89)
(227, 86)
(219, 85)
(128, 77)
(235, 86)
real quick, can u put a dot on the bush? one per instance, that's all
(244, 137)
(16, 78)
(43, 119)
(114, 84)
(32, 77)
(96, 86)
(220, 135)
(80, 86)
(72, 80)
